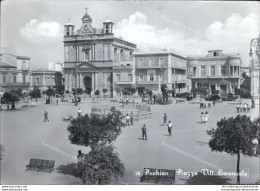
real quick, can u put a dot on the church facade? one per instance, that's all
(92, 55)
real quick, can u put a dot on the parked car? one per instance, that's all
(212, 98)
(230, 97)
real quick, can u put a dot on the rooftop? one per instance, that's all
(5, 65)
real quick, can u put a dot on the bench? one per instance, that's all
(41, 165)
(157, 175)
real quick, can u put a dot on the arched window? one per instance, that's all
(115, 55)
(68, 31)
(107, 28)
(121, 54)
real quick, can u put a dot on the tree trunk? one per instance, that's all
(238, 161)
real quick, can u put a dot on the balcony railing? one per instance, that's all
(14, 84)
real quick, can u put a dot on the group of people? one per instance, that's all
(242, 107)
(129, 119)
(204, 117)
(203, 105)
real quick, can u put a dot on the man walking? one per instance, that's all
(238, 107)
(132, 119)
(79, 112)
(127, 120)
(164, 119)
(144, 135)
(45, 116)
(170, 128)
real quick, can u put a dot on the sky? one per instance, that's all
(35, 28)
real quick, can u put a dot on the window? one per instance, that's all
(68, 31)
(115, 55)
(14, 79)
(141, 77)
(203, 70)
(107, 28)
(161, 61)
(118, 77)
(223, 71)
(194, 71)
(37, 80)
(215, 54)
(212, 71)
(150, 62)
(23, 65)
(130, 77)
(121, 54)
(140, 62)
(24, 79)
(4, 79)
(86, 56)
(151, 77)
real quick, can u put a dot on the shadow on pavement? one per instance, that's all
(69, 169)
(201, 179)
(166, 135)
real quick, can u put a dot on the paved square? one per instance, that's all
(24, 135)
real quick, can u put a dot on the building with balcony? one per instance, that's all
(15, 72)
(94, 57)
(155, 68)
(215, 71)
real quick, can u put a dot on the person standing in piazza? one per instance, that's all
(45, 116)
(164, 119)
(237, 107)
(132, 119)
(170, 128)
(144, 133)
(79, 112)
(206, 117)
(202, 117)
(127, 120)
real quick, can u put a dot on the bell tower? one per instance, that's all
(108, 27)
(68, 29)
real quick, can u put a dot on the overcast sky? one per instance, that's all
(34, 28)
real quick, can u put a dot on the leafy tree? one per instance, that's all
(11, 97)
(215, 92)
(35, 93)
(50, 92)
(132, 90)
(234, 136)
(101, 165)
(67, 91)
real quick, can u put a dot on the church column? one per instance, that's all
(92, 83)
(70, 83)
(81, 84)
(96, 85)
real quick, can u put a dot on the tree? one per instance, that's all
(35, 93)
(11, 97)
(101, 165)
(50, 92)
(234, 136)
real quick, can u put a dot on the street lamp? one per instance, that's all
(76, 97)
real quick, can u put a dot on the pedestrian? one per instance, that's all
(57, 101)
(201, 105)
(170, 128)
(245, 107)
(206, 118)
(237, 107)
(79, 112)
(202, 117)
(248, 108)
(126, 100)
(127, 120)
(164, 119)
(214, 103)
(132, 119)
(80, 158)
(144, 133)
(241, 107)
(209, 105)
(253, 103)
(46, 116)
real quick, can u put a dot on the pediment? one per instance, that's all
(86, 65)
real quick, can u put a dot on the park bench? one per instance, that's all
(158, 175)
(41, 165)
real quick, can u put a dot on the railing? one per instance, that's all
(14, 84)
